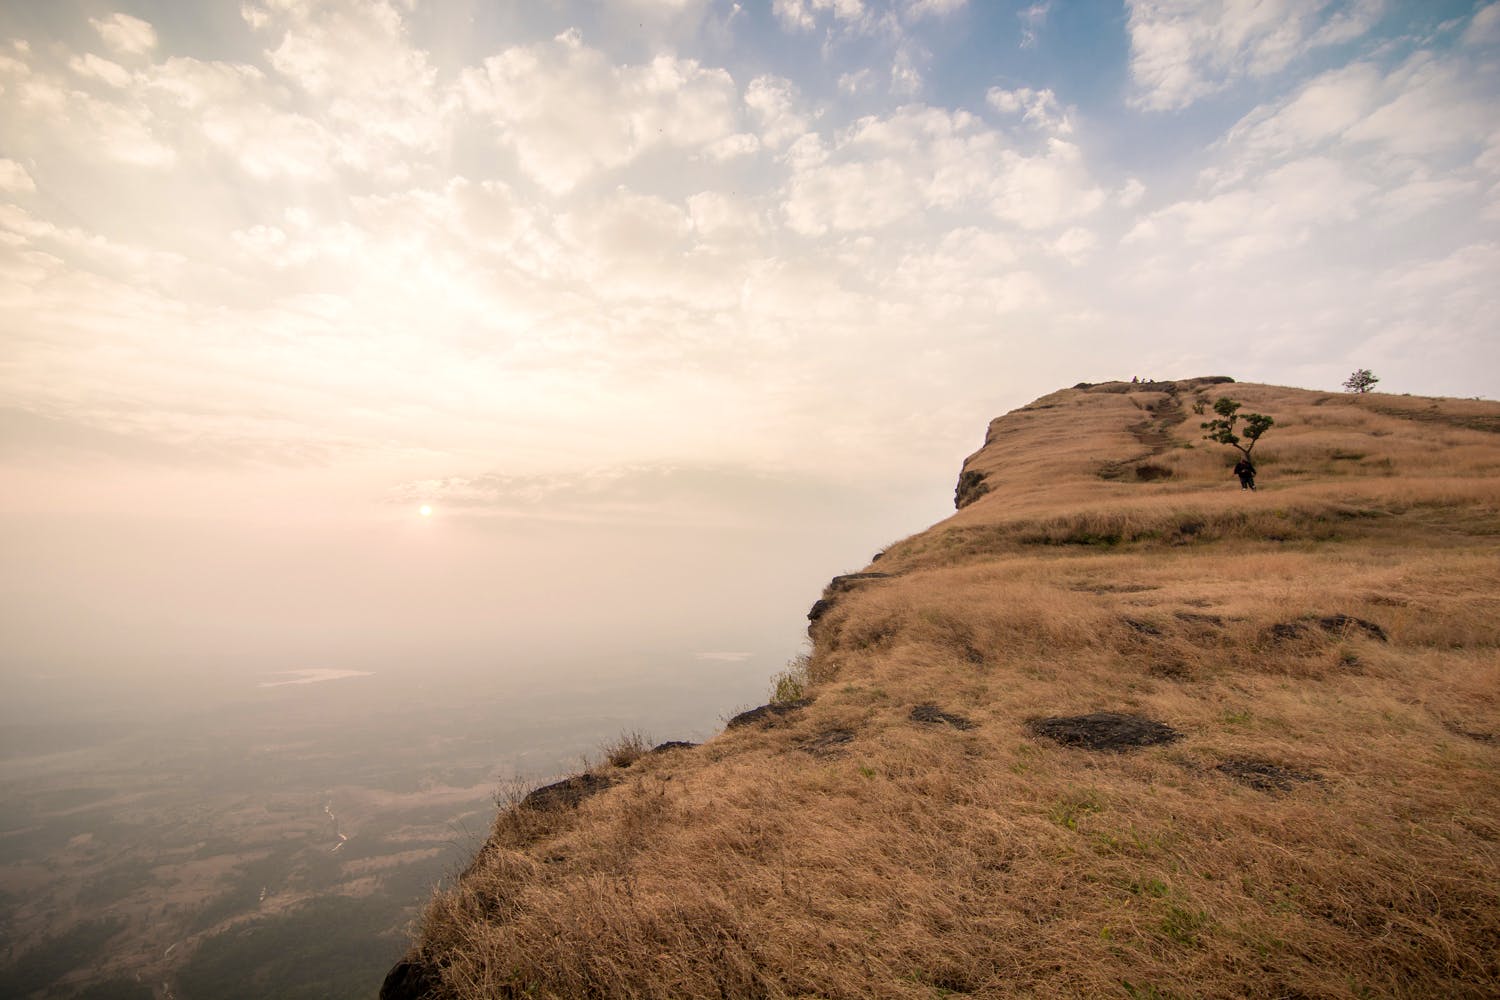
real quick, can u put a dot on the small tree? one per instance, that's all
(1363, 380)
(1222, 430)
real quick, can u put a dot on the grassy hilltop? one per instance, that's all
(1311, 671)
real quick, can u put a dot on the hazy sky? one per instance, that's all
(660, 302)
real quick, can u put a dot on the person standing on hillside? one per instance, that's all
(1246, 472)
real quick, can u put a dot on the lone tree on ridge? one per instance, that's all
(1222, 430)
(1363, 380)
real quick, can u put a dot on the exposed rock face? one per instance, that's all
(672, 745)
(568, 792)
(767, 713)
(409, 979)
(840, 585)
(971, 486)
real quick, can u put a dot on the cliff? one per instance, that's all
(1115, 728)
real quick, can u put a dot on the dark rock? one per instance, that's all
(1262, 775)
(1283, 631)
(971, 486)
(819, 609)
(765, 713)
(567, 793)
(1343, 624)
(409, 979)
(1477, 735)
(1339, 624)
(1104, 731)
(827, 744)
(1142, 627)
(847, 582)
(1150, 472)
(672, 745)
(935, 716)
(840, 585)
(1173, 669)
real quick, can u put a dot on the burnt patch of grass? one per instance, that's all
(1262, 775)
(1109, 731)
(932, 715)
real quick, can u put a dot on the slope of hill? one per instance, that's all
(1115, 728)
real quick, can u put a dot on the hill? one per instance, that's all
(1115, 728)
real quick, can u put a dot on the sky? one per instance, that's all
(668, 309)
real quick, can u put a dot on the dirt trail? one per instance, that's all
(1155, 434)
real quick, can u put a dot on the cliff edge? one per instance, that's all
(1115, 728)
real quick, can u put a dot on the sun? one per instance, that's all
(426, 511)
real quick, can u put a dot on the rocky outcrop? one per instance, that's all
(568, 792)
(409, 979)
(840, 585)
(971, 486)
(767, 713)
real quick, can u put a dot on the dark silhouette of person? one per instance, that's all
(1246, 472)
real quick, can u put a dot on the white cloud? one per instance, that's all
(124, 33)
(1414, 122)
(1484, 29)
(802, 15)
(569, 113)
(906, 79)
(914, 10)
(777, 106)
(376, 92)
(887, 170)
(718, 217)
(794, 15)
(1426, 106)
(1130, 193)
(850, 196)
(1074, 245)
(93, 67)
(967, 274)
(14, 178)
(1038, 108)
(860, 81)
(1183, 50)
(1038, 192)
(629, 227)
(1320, 110)
(1033, 19)
(1283, 209)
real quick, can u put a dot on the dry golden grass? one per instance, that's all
(845, 850)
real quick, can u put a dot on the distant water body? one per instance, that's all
(312, 677)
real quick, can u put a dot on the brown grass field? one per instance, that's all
(1327, 824)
